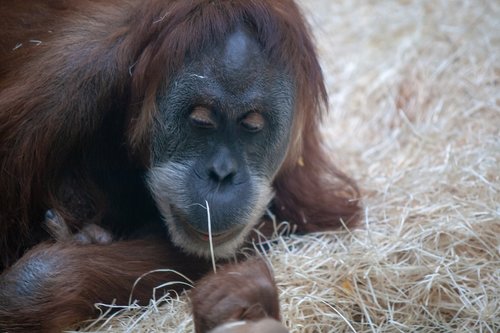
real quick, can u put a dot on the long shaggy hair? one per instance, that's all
(82, 76)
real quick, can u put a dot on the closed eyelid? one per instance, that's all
(253, 121)
(202, 117)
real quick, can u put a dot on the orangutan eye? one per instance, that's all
(202, 117)
(253, 122)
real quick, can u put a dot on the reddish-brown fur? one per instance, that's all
(249, 293)
(124, 51)
(55, 285)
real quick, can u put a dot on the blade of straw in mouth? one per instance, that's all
(210, 237)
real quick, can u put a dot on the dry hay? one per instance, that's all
(415, 100)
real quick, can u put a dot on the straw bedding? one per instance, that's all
(415, 119)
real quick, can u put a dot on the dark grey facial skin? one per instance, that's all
(226, 164)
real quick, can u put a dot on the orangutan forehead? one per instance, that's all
(238, 59)
(239, 50)
(238, 67)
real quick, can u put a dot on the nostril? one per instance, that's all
(223, 172)
(222, 167)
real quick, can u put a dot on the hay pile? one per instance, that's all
(415, 99)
